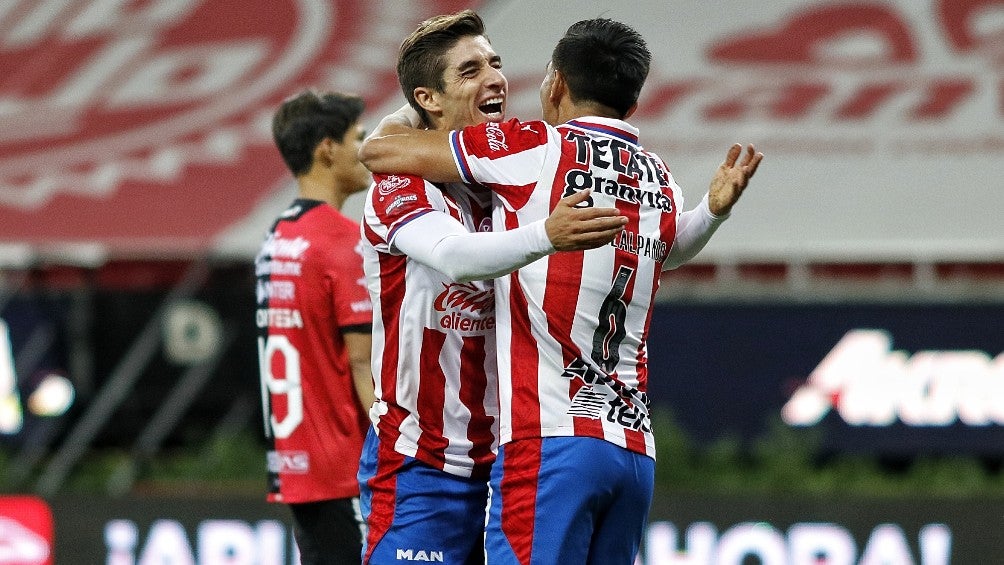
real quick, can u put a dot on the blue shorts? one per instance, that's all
(561, 500)
(415, 512)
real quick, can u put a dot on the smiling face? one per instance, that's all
(474, 87)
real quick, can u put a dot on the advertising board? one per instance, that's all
(903, 379)
(683, 530)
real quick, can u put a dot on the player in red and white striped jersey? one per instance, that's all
(573, 479)
(424, 471)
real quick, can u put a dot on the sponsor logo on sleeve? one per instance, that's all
(391, 183)
(495, 137)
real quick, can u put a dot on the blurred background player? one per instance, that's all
(429, 258)
(574, 476)
(314, 321)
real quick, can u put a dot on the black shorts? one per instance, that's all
(328, 532)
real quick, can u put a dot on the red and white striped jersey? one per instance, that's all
(309, 289)
(433, 338)
(573, 326)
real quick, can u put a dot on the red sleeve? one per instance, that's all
(506, 157)
(397, 200)
(498, 139)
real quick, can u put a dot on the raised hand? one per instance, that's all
(571, 229)
(731, 178)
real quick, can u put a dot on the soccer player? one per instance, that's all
(314, 321)
(574, 476)
(429, 259)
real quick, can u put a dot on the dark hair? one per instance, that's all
(603, 61)
(421, 60)
(305, 119)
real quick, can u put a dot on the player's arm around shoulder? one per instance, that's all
(399, 146)
(505, 154)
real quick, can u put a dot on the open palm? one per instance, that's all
(731, 178)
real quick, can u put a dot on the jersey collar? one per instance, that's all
(607, 126)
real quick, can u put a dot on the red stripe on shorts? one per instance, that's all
(520, 473)
(383, 485)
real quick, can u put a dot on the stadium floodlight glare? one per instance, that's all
(53, 397)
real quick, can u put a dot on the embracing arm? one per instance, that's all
(398, 146)
(437, 240)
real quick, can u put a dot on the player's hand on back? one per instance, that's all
(572, 229)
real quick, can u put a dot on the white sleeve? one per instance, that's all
(439, 241)
(694, 229)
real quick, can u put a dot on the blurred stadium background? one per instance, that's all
(827, 374)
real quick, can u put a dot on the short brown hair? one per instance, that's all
(305, 119)
(421, 59)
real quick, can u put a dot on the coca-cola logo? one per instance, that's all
(964, 24)
(466, 296)
(495, 137)
(855, 63)
(802, 38)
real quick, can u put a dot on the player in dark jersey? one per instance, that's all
(314, 319)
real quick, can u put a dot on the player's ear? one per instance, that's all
(427, 99)
(558, 87)
(323, 153)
